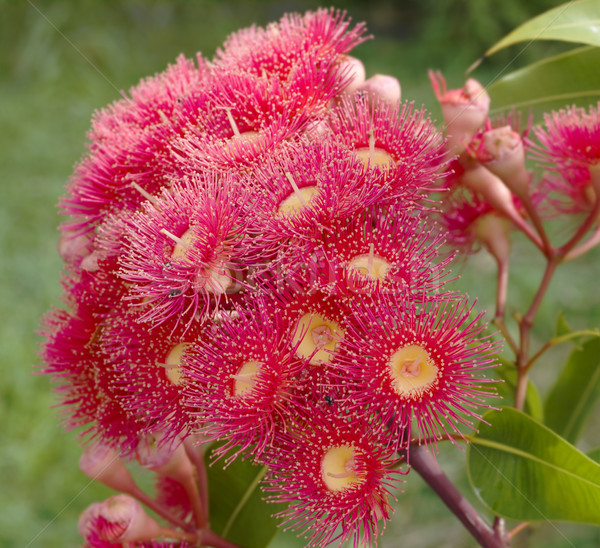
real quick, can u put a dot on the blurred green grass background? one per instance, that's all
(59, 61)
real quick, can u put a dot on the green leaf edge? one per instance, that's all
(589, 386)
(509, 41)
(472, 439)
(243, 500)
(546, 99)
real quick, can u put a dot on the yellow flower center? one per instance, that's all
(316, 333)
(173, 364)
(297, 200)
(370, 266)
(244, 381)
(374, 157)
(412, 371)
(338, 468)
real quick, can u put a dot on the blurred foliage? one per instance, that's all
(60, 60)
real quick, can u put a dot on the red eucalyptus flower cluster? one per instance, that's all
(249, 261)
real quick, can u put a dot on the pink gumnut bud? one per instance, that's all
(355, 70)
(464, 110)
(491, 188)
(493, 231)
(72, 247)
(167, 458)
(501, 151)
(121, 519)
(101, 463)
(382, 87)
(90, 262)
(85, 525)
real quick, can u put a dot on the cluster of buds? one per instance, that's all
(491, 191)
(250, 261)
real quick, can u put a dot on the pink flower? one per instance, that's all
(276, 49)
(570, 146)
(305, 191)
(182, 252)
(241, 379)
(129, 141)
(405, 359)
(335, 476)
(396, 141)
(147, 365)
(74, 358)
(385, 248)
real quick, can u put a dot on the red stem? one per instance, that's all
(525, 331)
(195, 454)
(160, 509)
(428, 468)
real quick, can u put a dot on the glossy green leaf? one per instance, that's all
(575, 392)
(551, 84)
(577, 22)
(507, 372)
(523, 470)
(237, 510)
(594, 454)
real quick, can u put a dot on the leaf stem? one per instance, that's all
(426, 465)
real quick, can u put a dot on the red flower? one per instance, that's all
(405, 359)
(183, 251)
(242, 378)
(335, 476)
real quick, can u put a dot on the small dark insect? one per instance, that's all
(174, 292)
(329, 400)
(167, 265)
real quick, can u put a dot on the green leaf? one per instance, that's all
(507, 372)
(575, 392)
(569, 78)
(522, 470)
(594, 454)
(237, 510)
(577, 22)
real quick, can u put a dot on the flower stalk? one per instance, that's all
(426, 465)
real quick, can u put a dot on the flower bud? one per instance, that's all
(355, 70)
(383, 88)
(493, 231)
(167, 458)
(479, 179)
(464, 110)
(72, 247)
(121, 519)
(501, 151)
(101, 463)
(85, 525)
